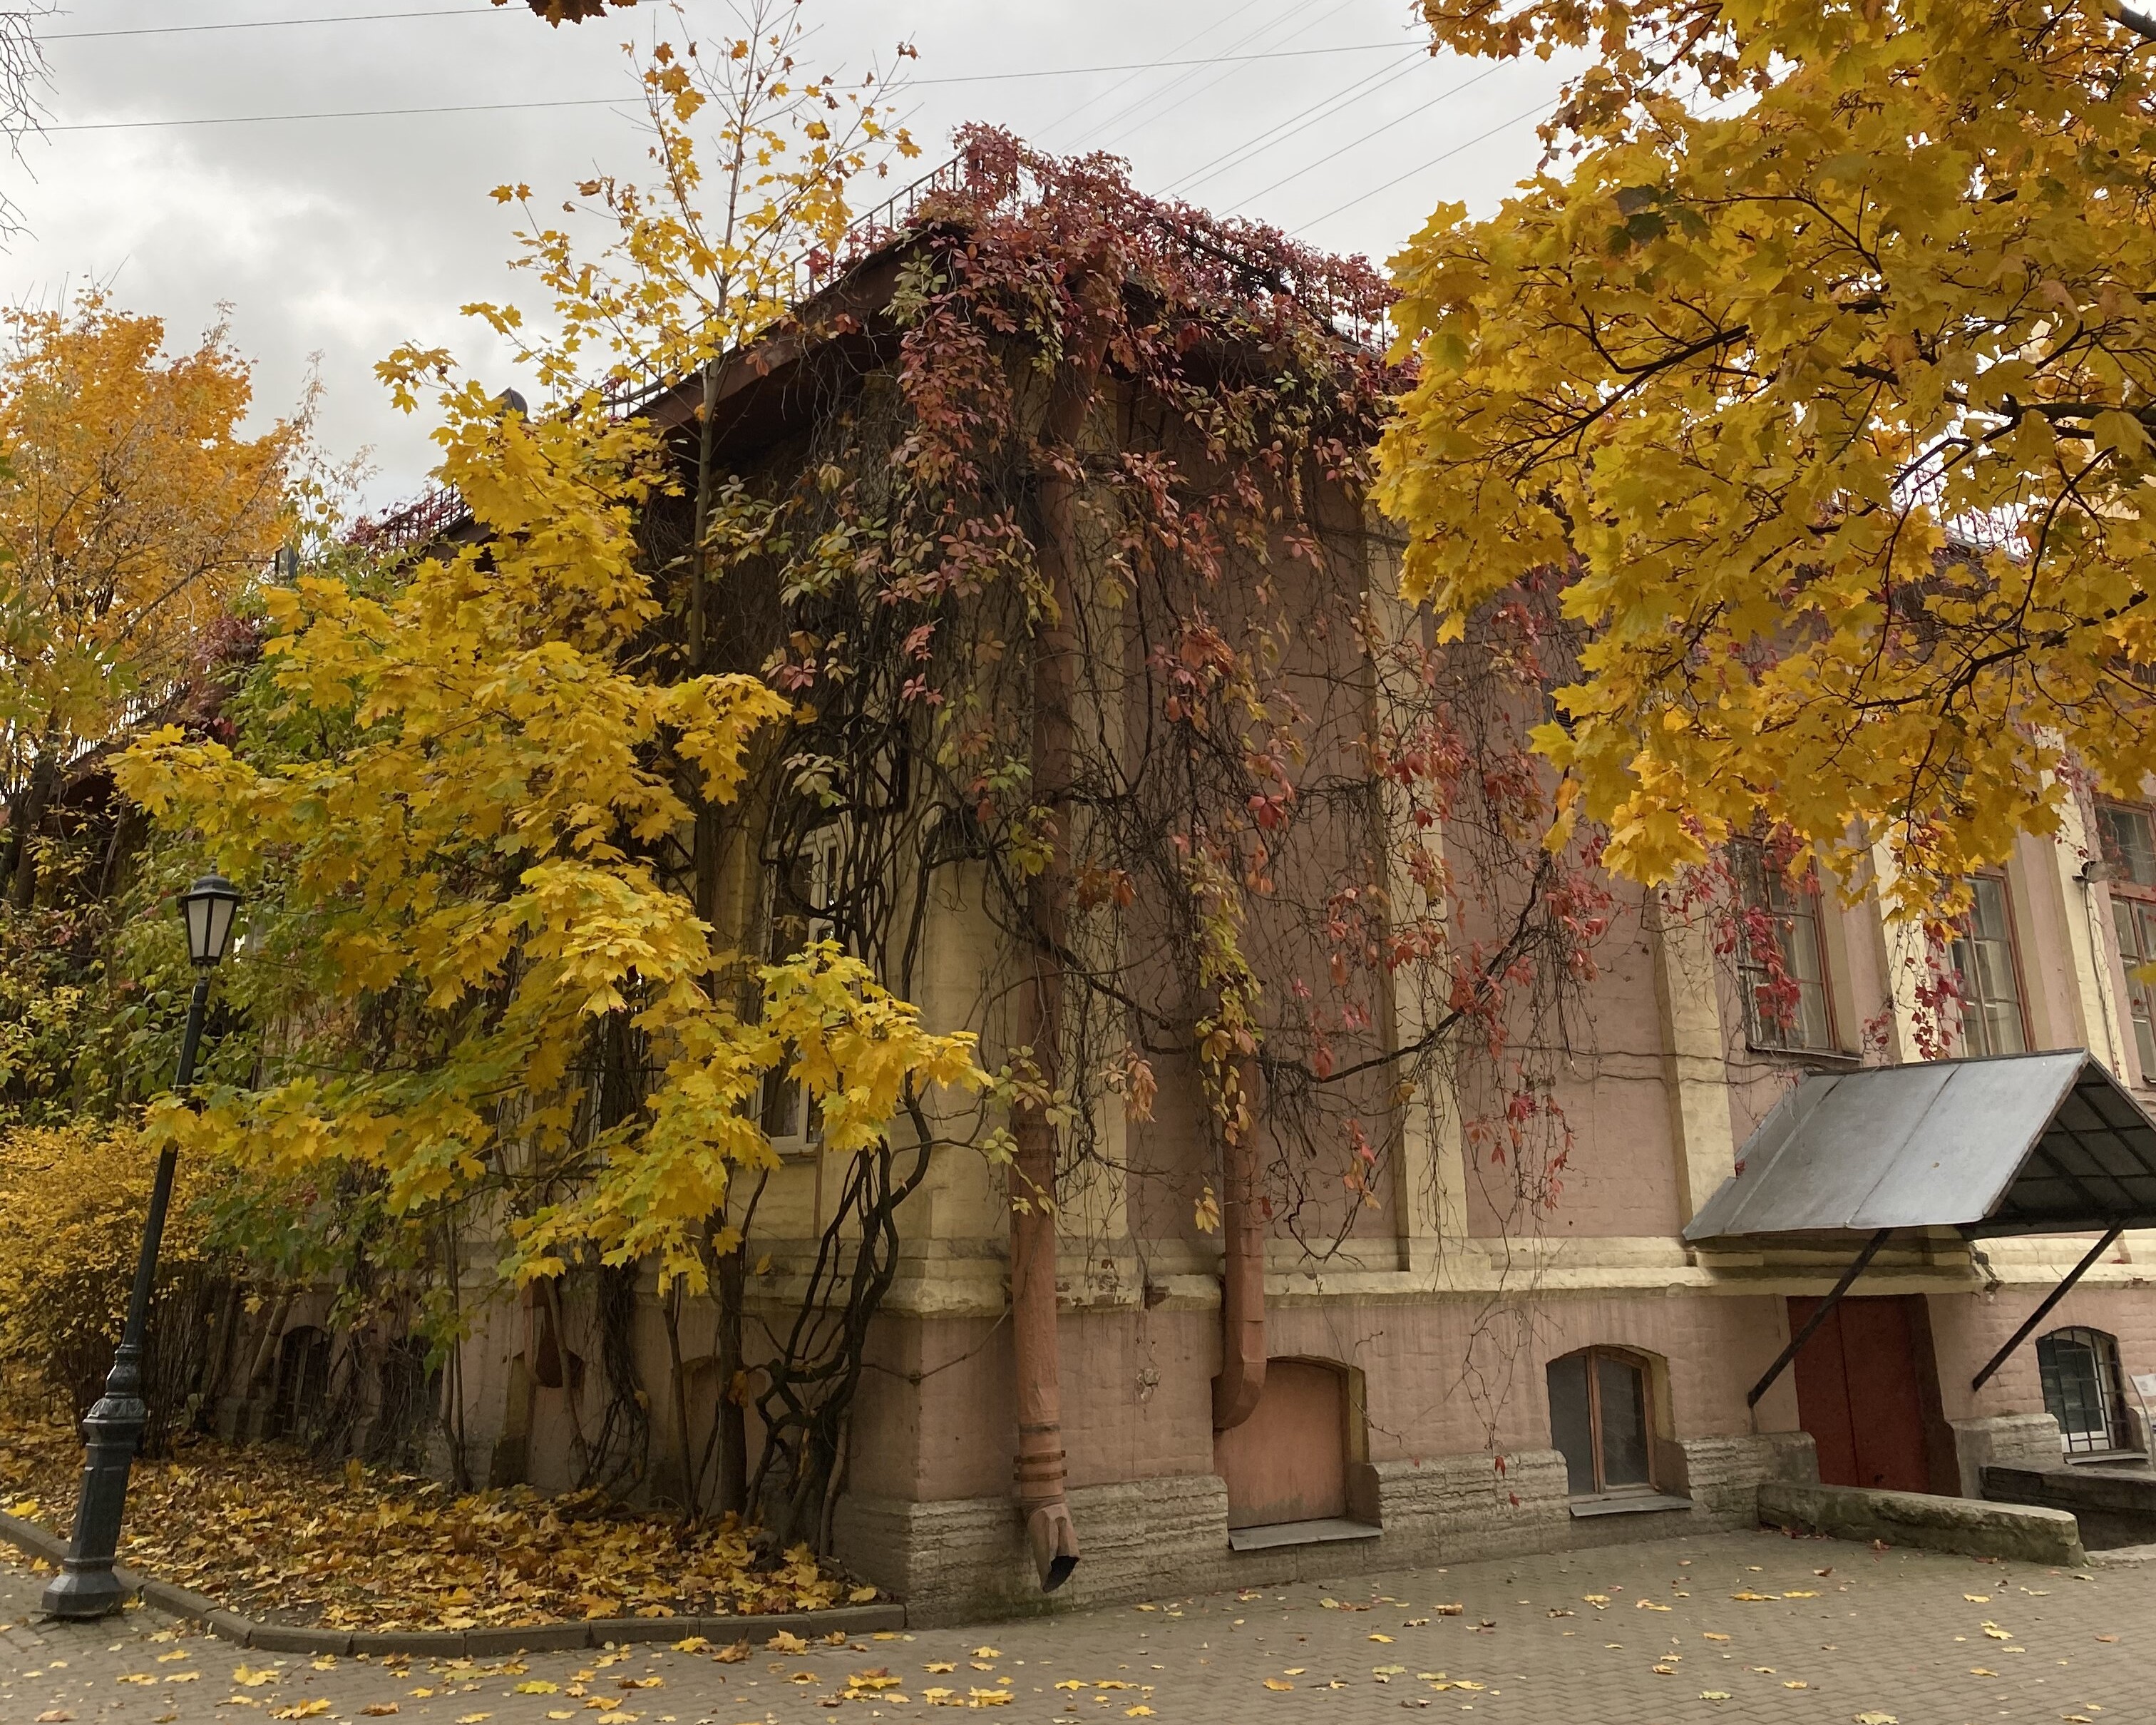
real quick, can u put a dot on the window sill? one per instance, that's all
(1323, 1532)
(2100, 1458)
(1625, 1504)
(1838, 1060)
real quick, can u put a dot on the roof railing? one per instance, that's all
(636, 383)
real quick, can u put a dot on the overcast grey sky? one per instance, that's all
(343, 237)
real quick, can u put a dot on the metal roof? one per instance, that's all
(2037, 1143)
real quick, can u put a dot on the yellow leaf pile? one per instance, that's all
(264, 1532)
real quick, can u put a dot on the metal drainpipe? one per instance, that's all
(1051, 1536)
(1242, 1378)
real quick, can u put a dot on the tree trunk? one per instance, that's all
(731, 1490)
(25, 815)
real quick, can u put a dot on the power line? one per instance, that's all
(1101, 131)
(341, 113)
(273, 24)
(1283, 130)
(1540, 107)
(1397, 120)
(1203, 30)
(1213, 59)
(1194, 84)
(604, 101)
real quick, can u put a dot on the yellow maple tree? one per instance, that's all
(473, 873)
(1815, 367)
(132, 510)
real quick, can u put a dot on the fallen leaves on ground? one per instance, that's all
(263, 1529)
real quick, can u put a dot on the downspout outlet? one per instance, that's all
(1053, 1540)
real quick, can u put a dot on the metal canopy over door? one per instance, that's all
(2031, 1143)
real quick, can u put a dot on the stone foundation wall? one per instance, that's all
(2003, 1441)
(1723, 1475)
(964, 1558)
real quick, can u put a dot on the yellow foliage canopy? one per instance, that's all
(477, 856)
(1823, 381)
(75, 1198)
(132, 510)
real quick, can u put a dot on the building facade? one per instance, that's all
(1438, 1372)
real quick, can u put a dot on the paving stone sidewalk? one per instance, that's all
(1734, 1627)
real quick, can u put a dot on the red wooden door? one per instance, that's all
(1860, 1393)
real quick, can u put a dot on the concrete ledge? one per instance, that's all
(2112, 1508)
(492, 1641)
(1915, 1518)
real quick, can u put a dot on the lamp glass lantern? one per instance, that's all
(208, 908)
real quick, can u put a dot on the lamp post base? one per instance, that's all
(82, 1590)
(86, 1586)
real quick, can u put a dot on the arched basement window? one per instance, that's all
(1599, 1421)
(2083, 1391)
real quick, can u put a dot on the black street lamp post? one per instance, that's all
(86, 1586)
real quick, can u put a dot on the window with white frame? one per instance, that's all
(796, 916)
(1988, 972)
(2083, 1390)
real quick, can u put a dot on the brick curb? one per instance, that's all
(488, 1642)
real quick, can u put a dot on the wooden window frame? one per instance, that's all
(1638, 1364)
(2141, 897)
(1751, 857)
(2013, 957)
